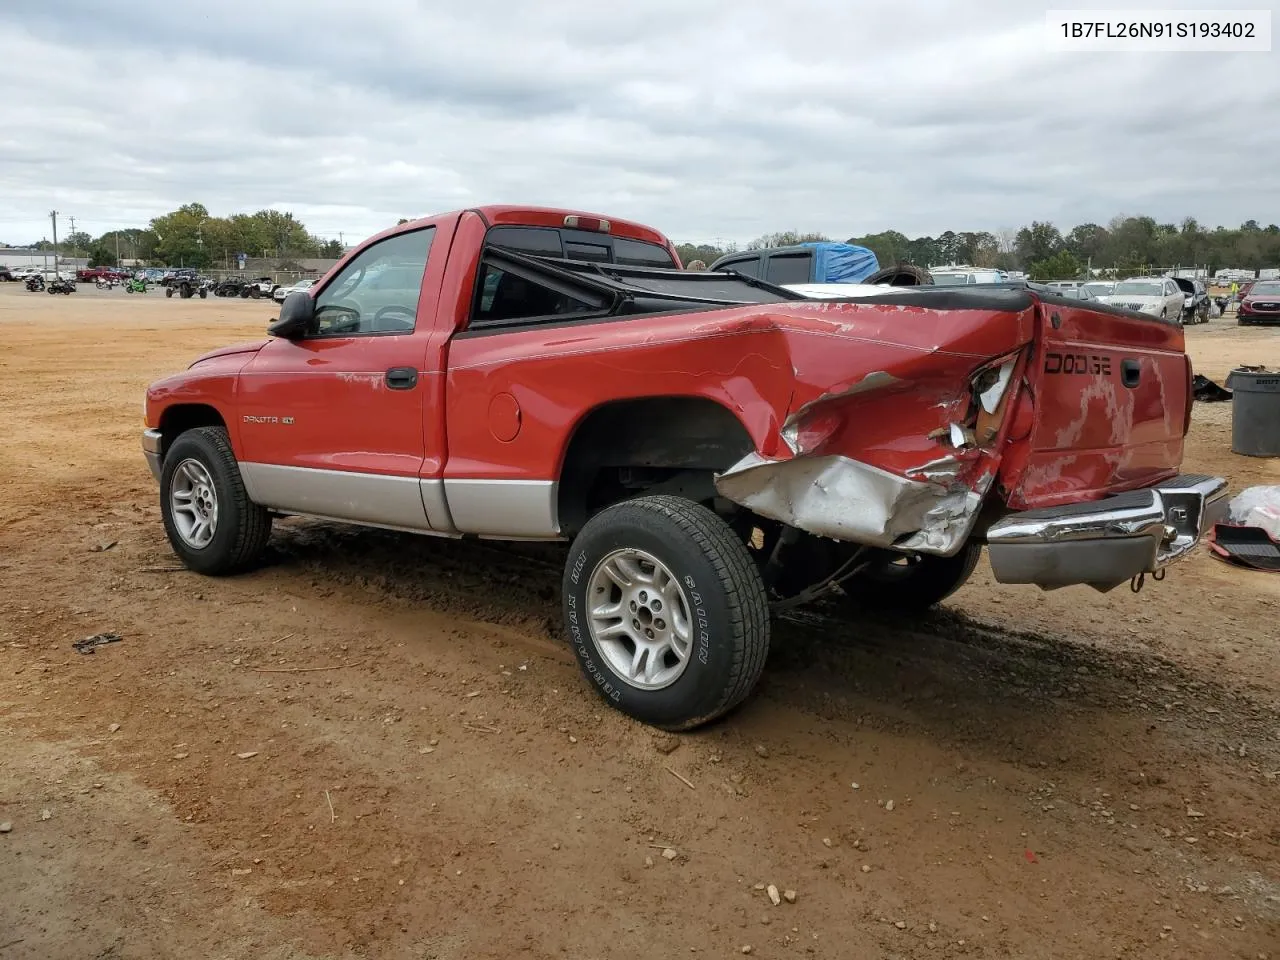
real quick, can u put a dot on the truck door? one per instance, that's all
(332, 423)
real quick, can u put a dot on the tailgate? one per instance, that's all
(1107, 407)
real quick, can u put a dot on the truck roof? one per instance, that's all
(549, 217)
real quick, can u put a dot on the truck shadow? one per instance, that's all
(941, 672)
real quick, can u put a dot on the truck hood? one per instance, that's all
(252, 346)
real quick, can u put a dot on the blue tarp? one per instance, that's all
(842, 263)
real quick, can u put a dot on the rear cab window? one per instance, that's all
(507, 295)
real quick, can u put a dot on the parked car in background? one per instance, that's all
(1063, 284)
(1195, 300)
(822, 262)
(259, 287)
(6, 274)
(281, 292)
(965, 276)
(1262, 305)
(1100, 288)
(1155, 296)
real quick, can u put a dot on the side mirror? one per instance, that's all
(297, 315)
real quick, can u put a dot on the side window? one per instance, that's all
(748, 266)
(378, 291)
(506, 295)
(789, 268)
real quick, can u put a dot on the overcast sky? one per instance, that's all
(705, 119)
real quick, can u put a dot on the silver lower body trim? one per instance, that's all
(152, 443)
(505, 509)
(370, 498)
(498, 509)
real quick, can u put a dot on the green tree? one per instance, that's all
(75, 244)
(1060, 266)
(1040, 241)
(331, 249)
(102, 257)
(787, 238)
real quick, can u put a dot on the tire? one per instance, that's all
(204, 294)
(904, 275)
(711, 576)
(168, 291)
(255, 293)
(244, 294)
(241, 528)
(184, 291)
(893, 583)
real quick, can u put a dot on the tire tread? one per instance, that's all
(739, 579)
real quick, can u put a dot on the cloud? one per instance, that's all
(712, 120)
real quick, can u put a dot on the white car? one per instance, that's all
(1155, 296)
(281, 292)
(963, 276)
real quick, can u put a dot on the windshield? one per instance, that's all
(1267, 288)
(950, 279)
(1139, 288)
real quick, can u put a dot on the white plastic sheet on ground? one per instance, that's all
(1258, 507)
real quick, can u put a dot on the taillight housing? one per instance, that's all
(992, 389)
(1191, 398)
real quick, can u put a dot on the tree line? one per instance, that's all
(1126, 245)
(190, 237)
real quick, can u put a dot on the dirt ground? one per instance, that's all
(379, 746)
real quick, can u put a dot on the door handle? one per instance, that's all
(1130, 372)
(402, 378)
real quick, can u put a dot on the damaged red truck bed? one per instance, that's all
(712, 445)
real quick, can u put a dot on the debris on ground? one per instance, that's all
(789, 896)
(6, 827)
(774, 897)
(1206, 391)
(1249, 547)
(669, 853)
(91, 644)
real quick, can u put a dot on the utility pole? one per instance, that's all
(53, 215)
(117, 249)
(74, 249)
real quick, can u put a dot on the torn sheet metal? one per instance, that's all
(844, 499)
(876, 380)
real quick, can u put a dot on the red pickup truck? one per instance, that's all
(714, 447)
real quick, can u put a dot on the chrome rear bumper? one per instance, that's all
(1106, 542)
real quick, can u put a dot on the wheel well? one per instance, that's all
(178, 419)
(629, 446)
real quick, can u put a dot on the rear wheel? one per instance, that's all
(211, 523)
(255, 293)
(168, 291)
(665, 611)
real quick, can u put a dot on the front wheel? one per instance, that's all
(910, 584)
(168, 291)
(211, 523)
(666, 611)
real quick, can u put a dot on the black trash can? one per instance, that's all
(1255, 412)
